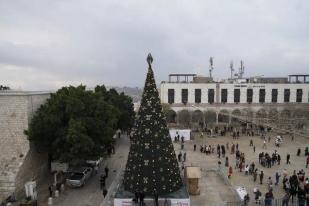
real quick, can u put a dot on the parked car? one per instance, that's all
(78, 177)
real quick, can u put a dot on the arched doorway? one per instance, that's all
(236, 116)
(223, 116)
(198, 118)
(184, 118)
(261, 116)
(171, 116)
(210, 117)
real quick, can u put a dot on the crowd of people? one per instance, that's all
(296, 185)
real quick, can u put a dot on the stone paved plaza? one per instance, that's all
(207, 162)
(214, 190)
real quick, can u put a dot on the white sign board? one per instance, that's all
(241, 191)
(59, 167)
(180, 202)
(123, 202)
(173, 202)
(186, 133)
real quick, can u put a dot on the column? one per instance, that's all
(217, 117)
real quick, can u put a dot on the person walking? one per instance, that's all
(156, 198)
(298, 152)
(230, 172)
(50, 189)
(184, 156)
(264, 144)
(257, 196)
(307, 162)
(104, 192)
(179, 156)
(288, 159)
(261, 177)
(136, 198)
(194, 147)
(270, 183)
(278, 159)
(102, 181)
(254, 175)
(278, 175)
(106, 171)
(286, 199)
(226, 161)
(141, 198)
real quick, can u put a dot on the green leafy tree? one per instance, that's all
(123, 103)
(74, 125)
(152, 164)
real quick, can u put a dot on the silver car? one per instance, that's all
(79, 177)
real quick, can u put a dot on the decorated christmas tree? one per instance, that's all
(152, 164)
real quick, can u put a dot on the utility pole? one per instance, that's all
(241, 69)
(232, 69)
(211, 66)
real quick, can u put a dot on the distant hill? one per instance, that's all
(134, 92)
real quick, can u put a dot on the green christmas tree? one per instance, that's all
(152, 164)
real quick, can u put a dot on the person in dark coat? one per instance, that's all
(50, 189)
(288, 156)
(141, 198)
(102, 182)
(106, 171)
(156, 197)
(261, 177)
(298, 152)
(104, 192)
(136, 197)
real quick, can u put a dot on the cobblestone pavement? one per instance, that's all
(90, 194)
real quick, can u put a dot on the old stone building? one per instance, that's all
(19, 162)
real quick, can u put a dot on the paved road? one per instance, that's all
(90, 194)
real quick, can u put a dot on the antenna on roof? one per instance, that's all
(211, 66)
(241, 69)
(232, 69)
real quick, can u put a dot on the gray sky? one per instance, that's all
(46, 44)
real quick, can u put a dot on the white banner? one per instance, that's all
(186, 133)
(180, 202)
(123, 202)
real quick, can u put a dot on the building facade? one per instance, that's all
(247, 97)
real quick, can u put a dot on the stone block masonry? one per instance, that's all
(19, 162)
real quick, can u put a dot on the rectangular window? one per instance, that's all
(198, 95)
(211, 96)
(286, 95)
(274, 95)
(184, 96)
(249, 95)
(171, 96)
(236, 95)
(223, 95)
(262, 96)
(299, 95)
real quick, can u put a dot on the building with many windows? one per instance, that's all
(252, 97)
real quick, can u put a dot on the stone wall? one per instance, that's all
(18, 164)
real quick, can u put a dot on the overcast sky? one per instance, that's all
(46, 44)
